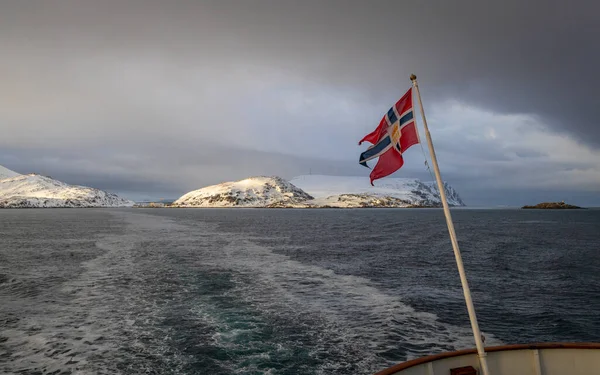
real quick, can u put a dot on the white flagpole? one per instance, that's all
(459, 263)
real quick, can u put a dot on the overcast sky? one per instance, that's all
(151, 99)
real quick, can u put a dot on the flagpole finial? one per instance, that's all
(413, 77)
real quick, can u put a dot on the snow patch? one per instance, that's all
(7, 173)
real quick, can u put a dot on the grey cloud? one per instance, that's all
(154, 96)
(526, 154)
(512, 56)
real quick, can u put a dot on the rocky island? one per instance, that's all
(552, 206)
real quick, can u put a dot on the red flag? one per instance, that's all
(395, 134)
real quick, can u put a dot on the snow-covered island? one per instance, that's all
(318, 191)
(250, 192)
(36, 191)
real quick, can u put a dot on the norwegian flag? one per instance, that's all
(395, 134)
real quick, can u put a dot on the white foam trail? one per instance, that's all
(357, 315)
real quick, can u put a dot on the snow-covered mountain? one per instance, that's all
(250, 192)
(318, 191)
(350, 191)
(451, 194)
(32, 190)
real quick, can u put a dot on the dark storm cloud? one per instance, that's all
(536, 57)
(167, 96)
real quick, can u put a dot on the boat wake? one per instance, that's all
(177, 296)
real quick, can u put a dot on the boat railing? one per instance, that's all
(520, 359)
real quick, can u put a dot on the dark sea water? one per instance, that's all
(184, 291)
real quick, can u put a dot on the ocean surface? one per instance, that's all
(253, 291)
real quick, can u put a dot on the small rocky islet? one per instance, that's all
(552, 206)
